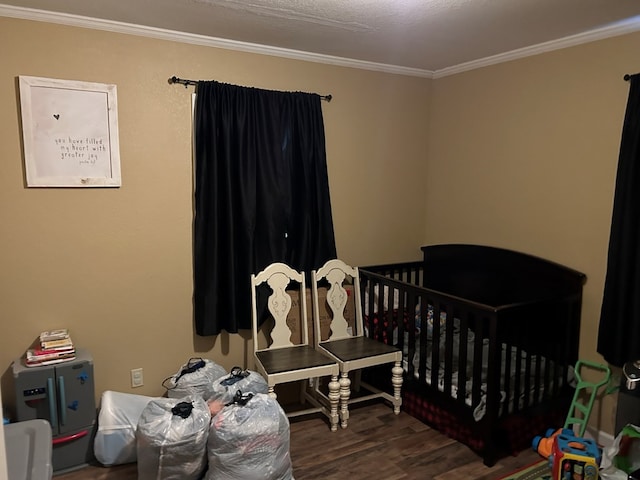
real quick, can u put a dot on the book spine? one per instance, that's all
(59, 334)
(67, 343)
(42, 363)
(41, 355)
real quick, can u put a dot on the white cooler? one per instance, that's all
(115, 441)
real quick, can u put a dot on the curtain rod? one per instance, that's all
(186, 83)
(627, 77)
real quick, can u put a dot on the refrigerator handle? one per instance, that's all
(68, 438)
(63, 401)
(51, 396)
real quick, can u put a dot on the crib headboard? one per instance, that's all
(496, 276)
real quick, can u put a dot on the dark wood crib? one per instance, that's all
(490, 337)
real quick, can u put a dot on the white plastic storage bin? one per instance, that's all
(29, 450)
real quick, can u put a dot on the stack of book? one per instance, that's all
(54, 346)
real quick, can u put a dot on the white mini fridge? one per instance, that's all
(63, 394)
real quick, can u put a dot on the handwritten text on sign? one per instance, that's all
(85, 150)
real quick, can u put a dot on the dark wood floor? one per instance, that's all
(378, 445)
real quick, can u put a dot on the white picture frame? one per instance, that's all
(70, 133)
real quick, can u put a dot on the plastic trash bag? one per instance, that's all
(171, 439)
(623, 456)
(249, 440)
(247, 381)
(195, 377)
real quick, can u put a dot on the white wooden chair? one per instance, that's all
(347, 344)
(282, 361)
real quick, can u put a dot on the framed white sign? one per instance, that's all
(70, 133)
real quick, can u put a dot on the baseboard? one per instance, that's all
(603, 439)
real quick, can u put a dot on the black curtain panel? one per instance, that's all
(261, 195)
(619, 330)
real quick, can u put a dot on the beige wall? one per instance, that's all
(114, 265)
(523, 155)
(520, 155)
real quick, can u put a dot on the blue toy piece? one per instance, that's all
(568, 443)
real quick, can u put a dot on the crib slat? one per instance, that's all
(465, 319)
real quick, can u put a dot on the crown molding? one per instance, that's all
(624, 27)
(616, 29)
(201, 40)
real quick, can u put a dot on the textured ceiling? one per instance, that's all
(425, 35)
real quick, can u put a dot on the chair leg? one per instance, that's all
(334, 400)
(271, 392)
(396, 380)
(345, 393)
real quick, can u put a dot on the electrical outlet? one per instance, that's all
(137, 379)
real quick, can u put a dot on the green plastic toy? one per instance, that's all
(578, 412)
(590, 389)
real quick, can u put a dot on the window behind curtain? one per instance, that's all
(261, 195)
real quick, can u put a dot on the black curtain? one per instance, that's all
(261, 195)
(619, 331)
